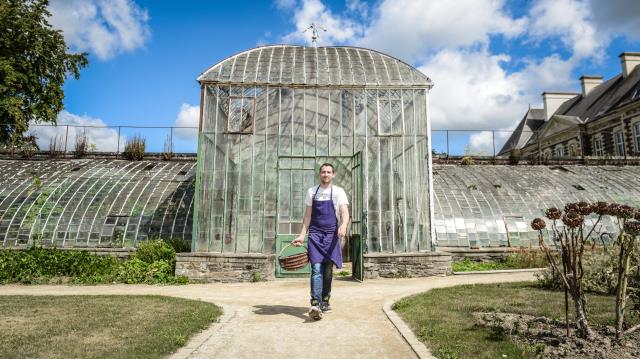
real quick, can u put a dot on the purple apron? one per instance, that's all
(324, 245)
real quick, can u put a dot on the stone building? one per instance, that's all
(601, 121)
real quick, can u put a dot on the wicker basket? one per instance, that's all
(294, 261)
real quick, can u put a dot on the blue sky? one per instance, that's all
(489, 59)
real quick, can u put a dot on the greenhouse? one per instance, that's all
(271, 115)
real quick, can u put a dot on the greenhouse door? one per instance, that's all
(295, 176)
(357, 218)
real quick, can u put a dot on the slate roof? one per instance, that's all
(530, 123)
(599, 102)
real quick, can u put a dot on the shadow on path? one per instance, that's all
(298, 312)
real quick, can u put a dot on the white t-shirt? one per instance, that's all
(339, 197)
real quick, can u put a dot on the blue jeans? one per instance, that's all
(321, 275)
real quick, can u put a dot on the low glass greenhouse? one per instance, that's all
(271, 115)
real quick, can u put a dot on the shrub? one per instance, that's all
(44, 265)
(156, 250)
(467, 161)
(37, 265)
(133, 271)
(600, 274)
(134, 148)
(179, 245)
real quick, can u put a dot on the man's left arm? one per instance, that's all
(344, 220)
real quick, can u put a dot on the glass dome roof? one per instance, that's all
(314, 66)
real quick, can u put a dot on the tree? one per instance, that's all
(34, 63)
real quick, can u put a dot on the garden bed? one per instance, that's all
(446, 319)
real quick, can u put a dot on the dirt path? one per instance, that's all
(269, 320)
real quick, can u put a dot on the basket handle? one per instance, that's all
(287, 246)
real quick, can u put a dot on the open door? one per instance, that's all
(295, 176)
(358, 217)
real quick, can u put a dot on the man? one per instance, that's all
(326, 217)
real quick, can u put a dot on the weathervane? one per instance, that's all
(314, 32)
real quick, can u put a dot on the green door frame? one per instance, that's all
(358, 217)
(282, 239)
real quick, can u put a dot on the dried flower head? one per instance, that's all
(571, 207)
(572, 219)
(632, 227)
(584, 208)
(612, 209)
(625, 211)
(538, 224)
(600, 208)
(553, 213)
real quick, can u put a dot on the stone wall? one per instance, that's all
(225, 267)
(406, 265)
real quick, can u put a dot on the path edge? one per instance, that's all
(416, 345)
(199, 339)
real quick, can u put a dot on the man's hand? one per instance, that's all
(298, 241)
(342, 231)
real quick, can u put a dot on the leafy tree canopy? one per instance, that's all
(34, 64)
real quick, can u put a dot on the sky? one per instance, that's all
(489, 59)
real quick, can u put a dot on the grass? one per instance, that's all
(519, 260)
(99, 326)
(442, 318)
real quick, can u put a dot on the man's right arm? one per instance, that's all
(305, 227)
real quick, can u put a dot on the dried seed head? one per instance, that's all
(625, 211)
(538, 224)
(572, 219)
(612, 209)
(632, 227)
(600, 208)
(584, 208)
(553, 213)
(571, 207)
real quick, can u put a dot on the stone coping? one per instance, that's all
(456, 250)
(499, 271)
(416, 345)
(408, 254)
(224, 255)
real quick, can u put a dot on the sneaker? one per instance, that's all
(325, 307)
(315, 313)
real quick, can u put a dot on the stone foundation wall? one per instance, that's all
(479, 255)
(406, 265)
(225, 267)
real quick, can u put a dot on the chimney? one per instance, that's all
(553, 101)
(629, 61)
(589, 83)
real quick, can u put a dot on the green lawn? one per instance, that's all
(442, 318)
(99, 326)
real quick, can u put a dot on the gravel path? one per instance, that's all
(269, 320)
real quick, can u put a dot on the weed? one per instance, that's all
(134, 149)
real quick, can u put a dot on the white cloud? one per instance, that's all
(411, 29)
(473, 91)
(339, 29)
(570, 21)
(104, 28)
(189, 116)
(105, 139)
(617, 17)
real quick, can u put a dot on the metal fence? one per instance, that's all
(111, 139)
(184, 139)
